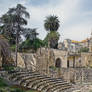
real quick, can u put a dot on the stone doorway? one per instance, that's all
(67, 63)
(58, 63)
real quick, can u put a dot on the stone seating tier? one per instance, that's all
(34, 80)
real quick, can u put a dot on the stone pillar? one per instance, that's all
(74, 62)
(47, 70)
(59, 72)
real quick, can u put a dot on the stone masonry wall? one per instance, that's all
(74, 75)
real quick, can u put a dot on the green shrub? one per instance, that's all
(8, 68)
(85, 49)
(2, 83)
(53, 68)
(13, 47)
(31, 44)
(18, 90)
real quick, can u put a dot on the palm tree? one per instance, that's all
(51, 25)
(15, 17)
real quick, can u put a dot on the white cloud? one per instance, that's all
(66, 10)
(77, 32)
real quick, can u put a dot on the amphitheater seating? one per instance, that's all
(39, 82)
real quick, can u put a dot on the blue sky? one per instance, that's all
(75, 16)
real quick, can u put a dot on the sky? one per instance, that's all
(75, 16)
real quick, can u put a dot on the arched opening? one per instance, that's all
(67, 63)
(58, 63)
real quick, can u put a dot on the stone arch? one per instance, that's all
(58, 63)
(68, 64)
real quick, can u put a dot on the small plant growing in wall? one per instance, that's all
(53, 68)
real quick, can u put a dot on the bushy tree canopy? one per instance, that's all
(51, 25)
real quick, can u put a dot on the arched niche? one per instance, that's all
(58, 63)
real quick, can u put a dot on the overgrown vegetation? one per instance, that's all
(53, 68)
(31, 45)
(53, 37)
(85, 49)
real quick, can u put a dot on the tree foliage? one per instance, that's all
(53, 38)
(13, 22)
(30, 33)
(85, 49)
(51, 25)
(31, 44)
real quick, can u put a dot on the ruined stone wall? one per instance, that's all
(74, 75)
(29, 60)
(26, 60)
(86, 59)
(45, 59)
(62, 55)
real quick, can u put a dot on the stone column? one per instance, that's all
(74, 62)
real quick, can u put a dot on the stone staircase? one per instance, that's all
(39, 82)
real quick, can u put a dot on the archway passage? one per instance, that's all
(58, 63)
(67, 63)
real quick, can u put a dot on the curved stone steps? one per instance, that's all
(33, 73)
(60, 89)
(15, 74)
(49, 85)
(24, 79)
(19, 76)
(20, 73)
(56, 87)
(39, 82)
(29, 79)
(33, 79)
(39, 78)
(48, 81)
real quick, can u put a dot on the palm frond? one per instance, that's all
(51, 23)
